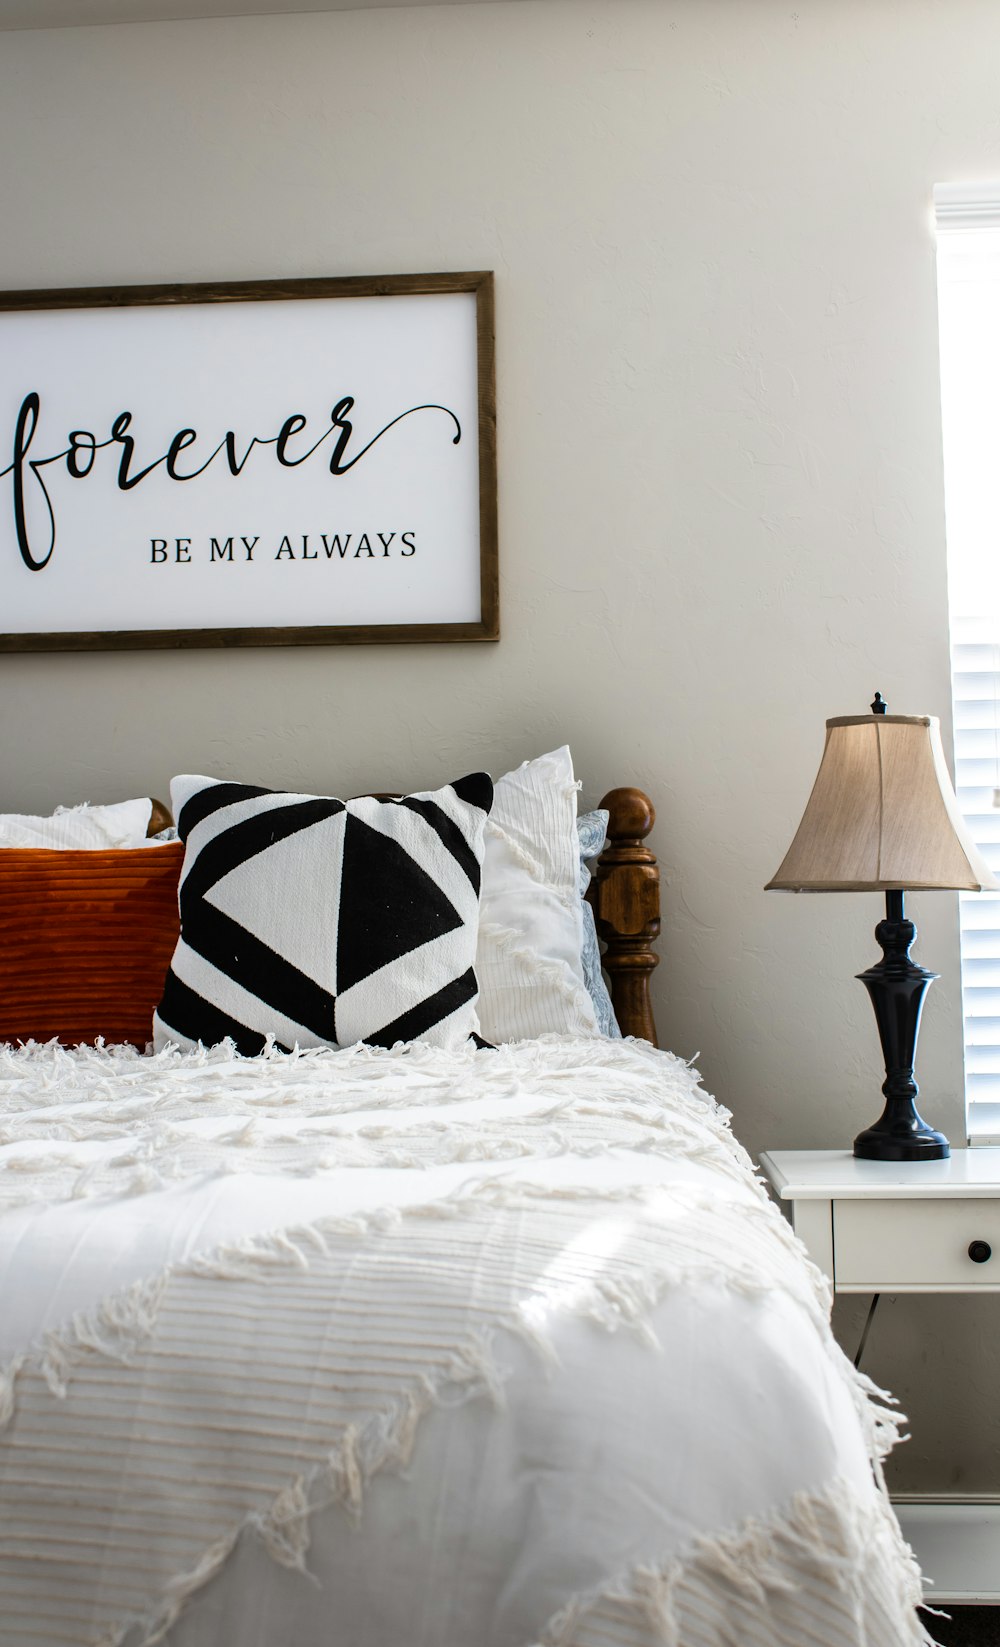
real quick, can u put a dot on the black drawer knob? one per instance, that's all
(980, 1251)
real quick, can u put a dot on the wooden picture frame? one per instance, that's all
(468, 601)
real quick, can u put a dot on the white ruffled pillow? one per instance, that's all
(75, 828)
(528, 959)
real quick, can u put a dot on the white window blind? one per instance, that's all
(968, 241)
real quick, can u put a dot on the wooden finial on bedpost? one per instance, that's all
(159, 817)
(625, 894)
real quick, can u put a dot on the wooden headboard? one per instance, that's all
(625, 895)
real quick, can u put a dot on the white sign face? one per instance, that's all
(241, 466)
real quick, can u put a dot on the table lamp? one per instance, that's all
(883, 817)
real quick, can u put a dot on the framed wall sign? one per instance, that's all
(252, 464)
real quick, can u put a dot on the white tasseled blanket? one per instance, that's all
(417, 1349)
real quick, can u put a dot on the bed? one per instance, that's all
(438, 1345)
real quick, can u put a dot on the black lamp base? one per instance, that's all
(886, 1142)
(897, 988)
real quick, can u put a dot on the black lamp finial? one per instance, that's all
(880, 706)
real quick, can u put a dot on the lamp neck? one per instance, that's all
(894, 906)
(895, 935)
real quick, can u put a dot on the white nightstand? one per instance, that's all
(873, 1226)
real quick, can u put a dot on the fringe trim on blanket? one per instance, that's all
(124, 1321)
(341, 1477)
(829, 1567)
(829, 1560)
(217, 1080)
(169, 1154)
(622, 1300)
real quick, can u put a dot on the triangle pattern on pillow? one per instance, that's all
(290, 903)
(388, 904)
(255, 892)
(232, 949)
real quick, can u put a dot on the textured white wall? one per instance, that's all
(720, 498)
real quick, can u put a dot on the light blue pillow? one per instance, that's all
(592, 830)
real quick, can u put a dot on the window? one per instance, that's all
(968, 241)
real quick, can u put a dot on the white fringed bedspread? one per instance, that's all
(419, 1349)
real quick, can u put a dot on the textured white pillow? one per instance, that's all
(528, 959)
(74, 828)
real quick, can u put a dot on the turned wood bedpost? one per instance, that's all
(159, 817)
(625, 894)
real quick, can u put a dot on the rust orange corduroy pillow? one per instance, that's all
(85, 941)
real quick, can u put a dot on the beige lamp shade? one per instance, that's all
(882, 816)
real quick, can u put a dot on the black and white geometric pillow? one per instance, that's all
(324, 922)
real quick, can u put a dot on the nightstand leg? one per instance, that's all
(812, 1222)
(866, 1328)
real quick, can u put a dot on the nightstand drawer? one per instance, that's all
(919, 1246)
